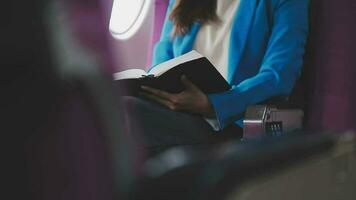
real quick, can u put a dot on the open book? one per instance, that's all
(167, 76)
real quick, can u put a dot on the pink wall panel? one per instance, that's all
(133, 53)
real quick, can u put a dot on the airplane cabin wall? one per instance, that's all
(133, 52)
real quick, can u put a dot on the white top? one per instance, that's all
(213, 41)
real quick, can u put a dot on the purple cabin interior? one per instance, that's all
(76, 156)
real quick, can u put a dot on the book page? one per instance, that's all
(129, 74)
(163, 67)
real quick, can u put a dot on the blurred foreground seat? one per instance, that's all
(320, 166)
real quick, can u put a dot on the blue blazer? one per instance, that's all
(265, 56)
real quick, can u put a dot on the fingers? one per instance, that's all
(159, 93)
(174, 99)
(161, 101)
(188, 84)
(184, 101)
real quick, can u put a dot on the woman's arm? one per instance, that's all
(280, 68)
(163, 50)
(192, 99)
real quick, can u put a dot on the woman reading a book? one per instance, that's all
(258, 47)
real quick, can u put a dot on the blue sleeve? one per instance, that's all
(280, 69)
(163, 50)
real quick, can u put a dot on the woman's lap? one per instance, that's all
(156, 126)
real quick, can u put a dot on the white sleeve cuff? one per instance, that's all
(214, 123)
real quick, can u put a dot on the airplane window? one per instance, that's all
(127, 17)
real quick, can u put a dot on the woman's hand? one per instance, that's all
(191, 100)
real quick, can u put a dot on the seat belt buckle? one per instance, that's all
(266, 120)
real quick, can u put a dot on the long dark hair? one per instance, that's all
(187, 12)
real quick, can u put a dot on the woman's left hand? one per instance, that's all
(191, 100)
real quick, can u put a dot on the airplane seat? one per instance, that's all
(293, 106)
(298, 166)
(70, 155)
(325, 89)
(329, 175)
(67, 158)
(21, 84)
(330, 67)
(60, 121)
(311, 97)
(328, 97)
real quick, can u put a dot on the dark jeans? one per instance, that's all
(156, 127)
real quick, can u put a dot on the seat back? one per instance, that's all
(329, 175)
(330, 66)
(23, 49)
(62, 125)
(299, 166)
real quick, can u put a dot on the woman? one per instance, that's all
(257, 45)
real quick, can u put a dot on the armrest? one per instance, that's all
(268, 120)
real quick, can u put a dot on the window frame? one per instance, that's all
(136, 23)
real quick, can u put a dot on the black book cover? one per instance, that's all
(200, 71)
